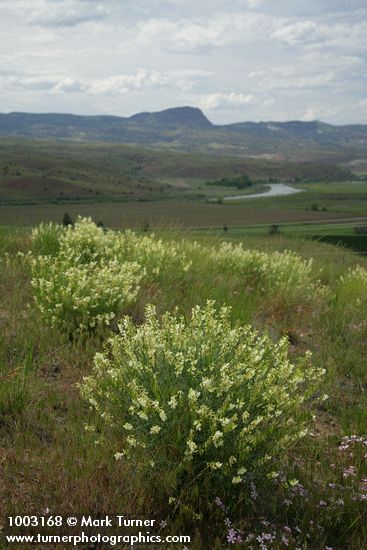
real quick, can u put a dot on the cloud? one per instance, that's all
(318, 113)
(202, 34)
(308, 33)
(142, 79)
(300, 32)
(291, 80)
(219, 100)
(26, 83)
(121, 84)
(362, 103)
(63, 13)
(69, 84)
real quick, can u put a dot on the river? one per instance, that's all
(276, 190)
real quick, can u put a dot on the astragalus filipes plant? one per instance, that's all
(82, 286)
(284, 273)
(199, 402)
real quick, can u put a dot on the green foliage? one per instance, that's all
(241, 182)
(46, 239)
(67, 220)
(282, 274)
(200, 401)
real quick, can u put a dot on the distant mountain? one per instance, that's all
(188, 129)
(187, 117)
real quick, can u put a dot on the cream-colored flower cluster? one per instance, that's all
(278, 272)
(200, 399)
(82, 285)
(83, 275)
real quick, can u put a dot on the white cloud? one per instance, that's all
(300, 32)
(142, 79)
(26, 83)
(290, 80)
(318, 113)
(121, 84)
(68, 84)
(218, 100)
(201, 34)
(307, 33)
(63, 13)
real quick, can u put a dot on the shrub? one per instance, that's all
(199, 402)
(81, 297)
(279, 273)
(157, 256)
(84, 285)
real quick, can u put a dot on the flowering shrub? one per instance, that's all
(199, 400)
(83, 276)
(154, 254)
(82, 286)
(277, 272)
(80, 297)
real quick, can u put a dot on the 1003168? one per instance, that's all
(35, 521)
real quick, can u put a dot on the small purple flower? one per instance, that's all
(232, 536)
(285, 541)
(322, 503)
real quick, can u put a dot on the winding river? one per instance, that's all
(276, 190)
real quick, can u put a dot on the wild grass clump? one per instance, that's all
(199, 404)
(351, 290)
(46, 239)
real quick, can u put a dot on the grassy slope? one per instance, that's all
(42, 415)
(49, 170)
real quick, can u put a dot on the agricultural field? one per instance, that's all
(213, 383)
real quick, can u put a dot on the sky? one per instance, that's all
(236, 60)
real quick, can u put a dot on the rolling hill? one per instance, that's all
(188, 129)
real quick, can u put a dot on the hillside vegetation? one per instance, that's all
(51, 171)
(188, 129)
(217, 386)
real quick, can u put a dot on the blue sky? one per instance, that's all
(238, 60)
